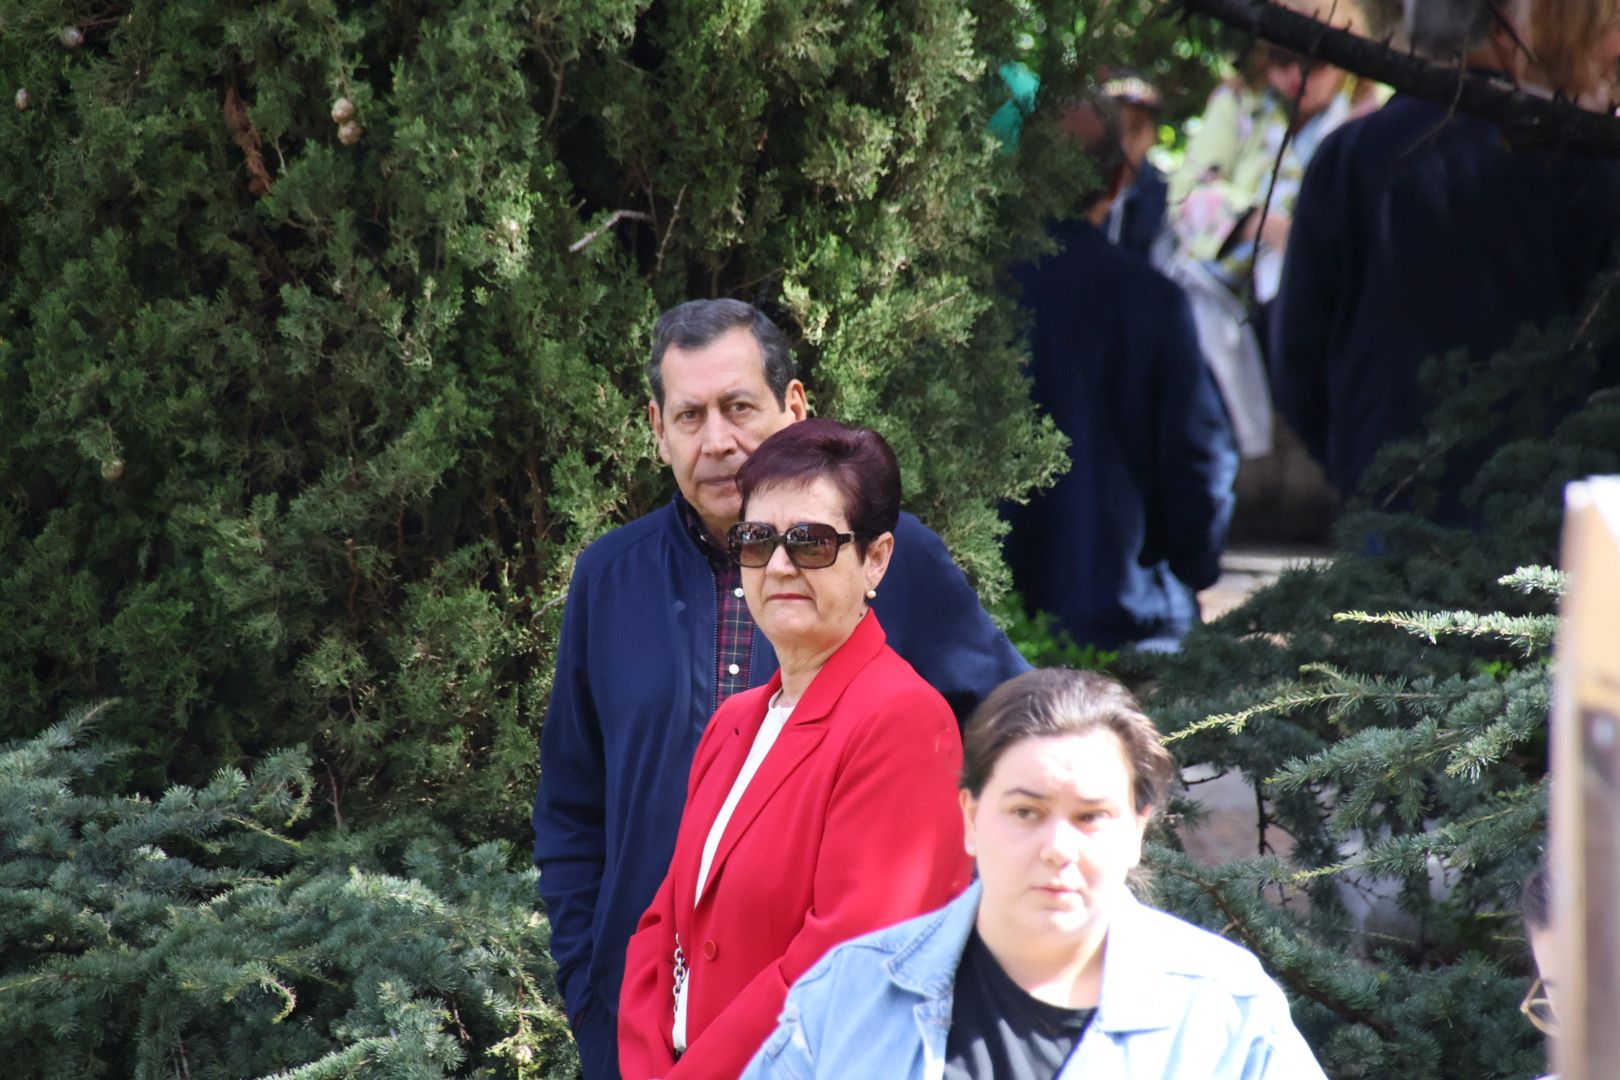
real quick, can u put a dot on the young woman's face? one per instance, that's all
(1056, 831)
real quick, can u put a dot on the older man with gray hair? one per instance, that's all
(1418, 232)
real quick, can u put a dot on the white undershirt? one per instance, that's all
(776, 717)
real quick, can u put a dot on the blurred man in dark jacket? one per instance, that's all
(1419, 232)
(1117, 547)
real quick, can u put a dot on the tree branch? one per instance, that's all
(1295, 979)
(613, 219)
(1528, 122)
(669, 230)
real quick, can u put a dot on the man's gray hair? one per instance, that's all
(696, 323)
(1450, 29)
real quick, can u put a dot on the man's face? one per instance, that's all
(717, 409)
(1322, 84)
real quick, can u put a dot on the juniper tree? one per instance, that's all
(201, 935)
(321, 330)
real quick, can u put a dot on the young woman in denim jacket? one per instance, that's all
(1047, 966)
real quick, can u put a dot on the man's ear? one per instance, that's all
(794, 401)
(655, 417)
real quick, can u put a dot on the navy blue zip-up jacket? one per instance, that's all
(1138, 218)
(634, 689)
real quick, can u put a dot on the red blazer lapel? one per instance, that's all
(804, 731)
(719, 759)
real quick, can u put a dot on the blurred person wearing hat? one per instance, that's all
(1136, 222)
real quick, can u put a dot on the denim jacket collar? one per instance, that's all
(926, 965)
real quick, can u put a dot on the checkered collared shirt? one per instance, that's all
(734, 626)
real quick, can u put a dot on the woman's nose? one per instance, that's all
(779, 562)
(1062, 844)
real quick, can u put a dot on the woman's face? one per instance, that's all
(1312, 85)
(1056, 831)
(803, 612)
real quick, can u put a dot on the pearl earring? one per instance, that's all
(871, 593)
(972, 848)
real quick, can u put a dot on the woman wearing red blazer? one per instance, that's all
(819, 806)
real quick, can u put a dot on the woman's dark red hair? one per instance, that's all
(856, 459)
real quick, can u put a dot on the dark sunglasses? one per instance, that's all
(811, 545)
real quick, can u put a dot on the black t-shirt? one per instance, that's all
(999, 1031)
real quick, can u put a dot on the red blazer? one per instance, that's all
(850, 825)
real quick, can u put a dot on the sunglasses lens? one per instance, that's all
(751, 543)
(812, 545)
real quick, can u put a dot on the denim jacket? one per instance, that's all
(1178, 1003)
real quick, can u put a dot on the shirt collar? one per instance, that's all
(1134, 964)
(693, 526)
(927, 963)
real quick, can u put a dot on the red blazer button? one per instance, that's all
(709, 949)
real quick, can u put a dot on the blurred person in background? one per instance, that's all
(1231, 207)
(1419, 232)
(1118, 546)
(1233, 196)
(1535, 907)
(1137, 221)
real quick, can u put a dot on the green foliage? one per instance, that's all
(301, 425)
(1184, 56)
(204, 935)
(1390, 711)
(1044, 643)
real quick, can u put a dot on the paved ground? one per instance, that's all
(1246, 568)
